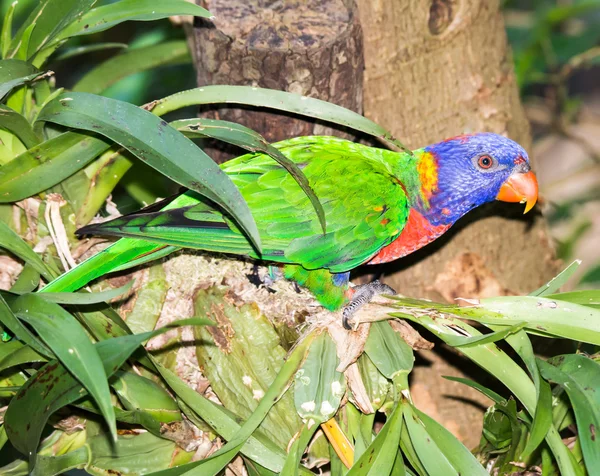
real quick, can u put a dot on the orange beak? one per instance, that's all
(520, 187)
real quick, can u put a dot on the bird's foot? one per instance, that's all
(362, 294)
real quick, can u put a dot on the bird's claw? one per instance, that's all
(363, 293)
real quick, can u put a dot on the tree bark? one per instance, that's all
(309, 48)
(435, 69)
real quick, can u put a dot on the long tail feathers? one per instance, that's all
(123, 254)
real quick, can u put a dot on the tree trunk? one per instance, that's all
(435, 69)
(309, 48)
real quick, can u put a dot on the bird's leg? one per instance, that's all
(362, 294)
(270, 277)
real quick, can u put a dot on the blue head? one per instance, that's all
(475, 169)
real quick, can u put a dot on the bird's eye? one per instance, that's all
(485, 161)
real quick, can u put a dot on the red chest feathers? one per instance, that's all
(417, 233)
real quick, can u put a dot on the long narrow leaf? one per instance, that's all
(555, 283)
(459, 456)
(10, 322)
(48, 164)
(579, 376)
(54, 387)
(491, 358)
(6, 35)
(53, 323)
(221, 458)
(133, 61)
(48, 19)
(83, 298)
(248, 139)
(85, 49)
(13, 73)
(106, 16)
(380, 456)
(273, 99)
(156, 143)
(14, 122)
(13, 243)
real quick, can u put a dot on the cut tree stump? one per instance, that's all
(309, 48)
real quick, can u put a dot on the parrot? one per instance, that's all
(380, 205)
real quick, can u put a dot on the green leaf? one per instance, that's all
(297, 449)
(15, 353)
(15, 123)
(461, 459)
(10, 322)
(133, 61)
(47, 164)
(318, 386)
(53, 387)
(497, 363)
(272, 99)
(88, 189)
(589, 298)
(28, 280)
(240, 374)
(542, 420)
(140, 393)
(216, 462)
(106, 16)
(435, 461)
(381, 454)
(83, 298)
(53, 323)
(248, 139)
(480, 388)
(15, 72)
(46, 21)
(459, 341)
(85, 49)
(579, 376)
(555, 283)
(6, 35)
(387, 350)
(543, 316)
(157, 144)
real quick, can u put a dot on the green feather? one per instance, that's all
(343, 175)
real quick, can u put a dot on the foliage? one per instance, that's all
(99, 401)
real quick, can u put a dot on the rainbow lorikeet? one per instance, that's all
(379, 205)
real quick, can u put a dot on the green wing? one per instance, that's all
(365, 208)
